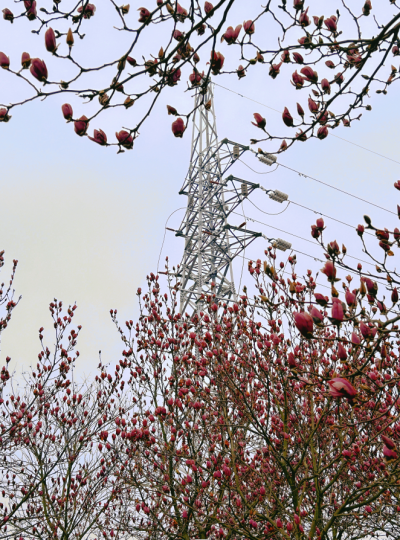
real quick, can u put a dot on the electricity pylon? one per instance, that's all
(210, 242)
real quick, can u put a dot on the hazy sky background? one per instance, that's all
(87, 224)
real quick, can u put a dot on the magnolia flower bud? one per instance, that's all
(331, 24)
(304, 323)
(8, 15)
(70, 38)
(125, 139)
(4, 61)
(67, 111)
(287, 117)
(25, 60)
(260, 122)
(39, 70)
(248, 27)
(99, 137)
(178, 127)
(50, 40)
(81, 125)
(298, 58)
(208, 8)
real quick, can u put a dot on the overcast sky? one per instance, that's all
(87, 224)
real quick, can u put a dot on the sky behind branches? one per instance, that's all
(87, 224)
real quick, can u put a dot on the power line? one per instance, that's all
(329, 217)
(338, 189)
(336, 136)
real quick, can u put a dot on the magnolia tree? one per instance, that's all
(334, 59)
(273, 417)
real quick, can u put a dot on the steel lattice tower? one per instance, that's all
(210, 242)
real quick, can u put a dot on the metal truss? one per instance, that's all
(211, 243)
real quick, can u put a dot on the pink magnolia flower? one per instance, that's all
(8, 15)
(25, 60)
(4, 116)
(388, 453)
(388, 442)
(330, 64)
(285, 57)
(291, 360)
(241, 72)
(181, 12)
(87, 11)
(321, 299)
(217, 62)
(329, 270)
(297, 80)
(360, 230)
(50, 40)
(301, 136)
(231, 34)
(395, 296)
(340, 387)
(99, 137)
(298, 4)
(298, 58)
(178, 127)
(337, 310)
(318, 21)
(287, 117)
(274, 70)
(315, 232)
(339, 78)
(331, 24)
(326, 87)
(312, 105)
(30, 6)
(279, 523)
(67, 111)
(4, 61)
(304, 323)
(172, 110)
(81, 126)
(304, 19)
(367, 8)
(125, 139)
(320, 223)
(368, 509)
(309, 74)
(260, 122)
(178, 35)
(366, 331)
(371, 286)
(317, 316)
(341, 352)
(355, 339)
(300, 110)
(144, 15)
(195, 78)
(39, 70)
(208, 7)
(248, 27)
(351, 298)
(322, 132)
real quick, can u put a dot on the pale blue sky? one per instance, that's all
(86, 224)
